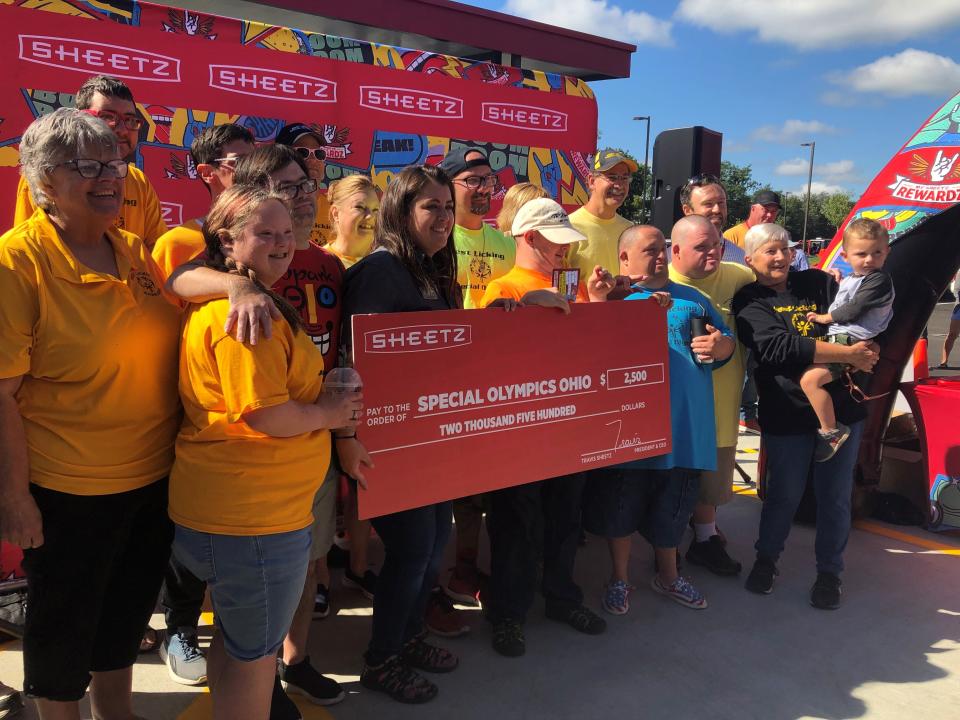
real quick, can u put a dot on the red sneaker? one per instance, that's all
(464, 585)
(443, 619)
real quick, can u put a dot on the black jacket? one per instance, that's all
(774, 326)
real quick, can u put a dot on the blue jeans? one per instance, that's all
(749, 397)
(789, 465)
(413, 545)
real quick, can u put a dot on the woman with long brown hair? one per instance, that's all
(413, 267)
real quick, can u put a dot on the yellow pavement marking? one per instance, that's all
(750, 451)
(877, 529)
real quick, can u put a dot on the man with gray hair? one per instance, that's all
(696, 263)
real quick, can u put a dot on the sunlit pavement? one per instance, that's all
(892, 650)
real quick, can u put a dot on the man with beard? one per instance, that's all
(111, 100)
(609, 185)
(705, 195)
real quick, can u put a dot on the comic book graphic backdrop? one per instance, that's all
(379, 107)
(921, 180)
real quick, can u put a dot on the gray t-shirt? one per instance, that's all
(863, 305)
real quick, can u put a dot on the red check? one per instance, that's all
(467, 401)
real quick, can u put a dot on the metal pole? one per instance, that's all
(806, 213)
(646, 170)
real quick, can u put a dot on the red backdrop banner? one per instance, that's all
(463, 402)
(379, 107)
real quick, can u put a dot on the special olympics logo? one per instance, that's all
(278, 84)
(416, 338)
(525, 117)
(98, 58)
(405, 101)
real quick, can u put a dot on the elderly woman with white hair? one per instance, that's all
(88, 416)
(772, 322)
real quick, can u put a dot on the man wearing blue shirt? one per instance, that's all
(656, 496)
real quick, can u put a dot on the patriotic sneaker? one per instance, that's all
(680, 591)
(615, 598)
(829, 442)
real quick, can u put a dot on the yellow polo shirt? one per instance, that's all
(180, 245)
(600, 247)
(139, 215)
(728, 380)
(98, 356)
(736, 234)
(228, 478)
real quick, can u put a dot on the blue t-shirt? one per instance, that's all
(691, 384)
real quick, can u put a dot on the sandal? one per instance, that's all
(420, 654)
(150, 640)
(399, 681)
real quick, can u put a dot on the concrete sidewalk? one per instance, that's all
(892, 651)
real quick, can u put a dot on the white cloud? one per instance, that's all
(911, 72)
(792, 131)
(832, 171)
(596, 17)
(810, 24)
(817, 187)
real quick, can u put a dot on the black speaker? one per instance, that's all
(679, 155)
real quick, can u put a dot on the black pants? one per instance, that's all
(523, 519)
(181, 596)
(413, 545)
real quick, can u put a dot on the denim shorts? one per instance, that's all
(255, 583)
(618, 502)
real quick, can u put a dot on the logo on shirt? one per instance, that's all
(526, 117)
(404, 101)
(279, 84)
(145, 282)
(172, 213)
(416, 338)
(98, 58)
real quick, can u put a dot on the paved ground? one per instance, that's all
(892, 651)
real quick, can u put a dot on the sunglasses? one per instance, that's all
(307, 153)
(856, 392)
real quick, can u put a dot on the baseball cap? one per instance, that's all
(766, 197)
(456, 162)
(547, 217)
(608, 157)
(289, 134)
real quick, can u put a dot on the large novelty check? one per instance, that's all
(466, 401)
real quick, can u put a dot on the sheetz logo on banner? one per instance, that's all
(98, 58)
(941, 168)
(278, 84)
(526, 117)
(405, 101)
(416, 338)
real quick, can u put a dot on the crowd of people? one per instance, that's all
(167, 429)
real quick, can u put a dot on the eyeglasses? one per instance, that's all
(307, 187)
(130, 122)
(90, 168)
(307, 153)
(616, 179)
(475, 182)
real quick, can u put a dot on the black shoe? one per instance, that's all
(713, 556)
(282, 707)
(321, 602)
(366, 584)
(579, 618)
(303, 679)
(825, 594)
(508, 638)
(760, 579)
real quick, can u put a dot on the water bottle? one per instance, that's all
(698, 328)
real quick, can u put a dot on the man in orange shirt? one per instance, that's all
(518, 514)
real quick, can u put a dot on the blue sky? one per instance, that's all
(856, 76)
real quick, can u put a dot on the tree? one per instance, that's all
(836, 207)
(740, 186)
